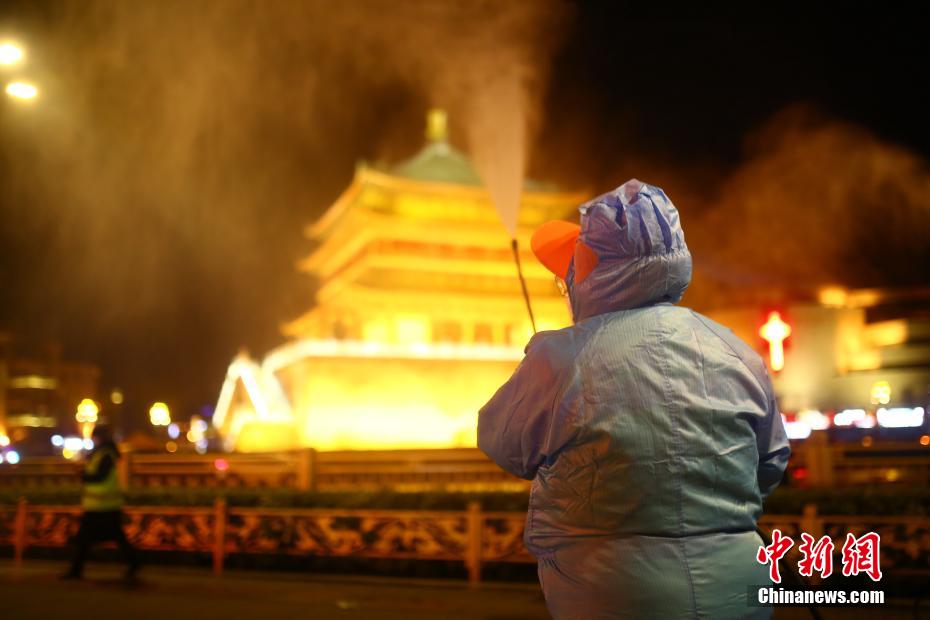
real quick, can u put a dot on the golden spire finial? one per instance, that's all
(437, 129)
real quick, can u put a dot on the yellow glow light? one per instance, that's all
(412, 330)
(197, 429)
(887, 333)
(881, 393)
(371, 395)
(22, 90)
(359, 404)
(68, 453)
(832, 296)
(815, 419)
(4, 441)
(865, 360)
(116, 397)
(159, 414)
(375, 331)
(865, 298)
(171, 446)
(87, 412)
(437, 125)
(774, 332)
(267, 399)
(34, 382)
(10, 54)
(304, 349)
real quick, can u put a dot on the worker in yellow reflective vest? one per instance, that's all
(102, 500)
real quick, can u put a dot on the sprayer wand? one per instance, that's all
(526, 295)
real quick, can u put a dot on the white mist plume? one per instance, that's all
(497, 132)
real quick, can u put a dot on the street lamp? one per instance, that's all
(86, 416)
(159, 415)
(22, 90)
(10, 53)
(87, 411)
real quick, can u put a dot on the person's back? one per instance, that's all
(650, 433)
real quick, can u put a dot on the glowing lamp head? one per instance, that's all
(159, 415)
(22, 90)
(87, 412)
(880, 394)
(10, 54)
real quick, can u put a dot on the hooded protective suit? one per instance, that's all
(650, 432)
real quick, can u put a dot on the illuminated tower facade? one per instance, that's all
(419, 315)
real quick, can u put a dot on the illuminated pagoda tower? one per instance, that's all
(418, 319)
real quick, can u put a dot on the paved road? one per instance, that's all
(166, 593)
(178, 593)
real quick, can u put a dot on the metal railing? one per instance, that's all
(472, 536)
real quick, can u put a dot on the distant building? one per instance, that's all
(854, 359)
(40, 392)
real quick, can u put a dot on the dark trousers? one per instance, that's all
(99, 527)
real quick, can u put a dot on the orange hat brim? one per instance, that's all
(553, 243)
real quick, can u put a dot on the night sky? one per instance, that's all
(152, 199)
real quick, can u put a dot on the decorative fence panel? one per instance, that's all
(502, 538)
(905, 542)
(359, 533)
(50, 526)
(171, 529)
(471, 536)
(7, 524)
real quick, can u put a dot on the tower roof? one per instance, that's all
(440, 162)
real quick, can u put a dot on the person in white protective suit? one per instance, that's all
(650, 432)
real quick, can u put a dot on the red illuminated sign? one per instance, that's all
(775, 331)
